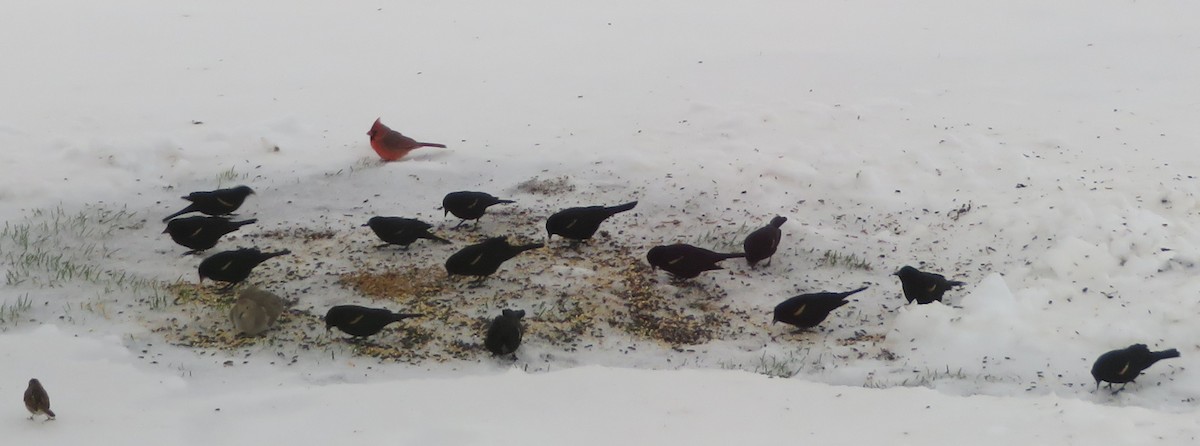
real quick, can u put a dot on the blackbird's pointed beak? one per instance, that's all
(165, 231)
(365, 225)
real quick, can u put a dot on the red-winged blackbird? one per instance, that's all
(581, 223)
(504, 334)
(360, 321)
(391, 145)
(255, 311)
(216, 202)
(761, 244)
(37, 401)
(686, 261)
(401, 231)
(1124, 365)
(808, 310)
(469, 205)
(483, 259)
(234, 266)
(201, 233)
(924, 287)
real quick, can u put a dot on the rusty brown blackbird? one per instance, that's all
(581, 223)
(37, 401)
(1124, 365)
(234, 266)
(201, 233)
(686, 261)
(215, 202)
(469, 205)
(361, 321)
(924, 287)
(504, 334)
(808, 310)
(761, 244)
(484, 258)
(401, 231)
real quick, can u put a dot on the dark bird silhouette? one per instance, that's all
(761, 244)
(483, 259)
(360, 321)
(201, 233)
(924, 287)
(808, 310)
(686, 261)
(234, 266)
(504, 334)
(215, 202)
(469, 205)
(401, 231)
(391, 145)
(581, 223)
(37, 401)
(255, 311)
(1124, 365)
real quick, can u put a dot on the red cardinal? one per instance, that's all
(391, 145)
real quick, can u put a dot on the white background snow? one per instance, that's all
(1066, 128)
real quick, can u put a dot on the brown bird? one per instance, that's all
(255, 311)
(391, 145)
(761, 244)
(37, 401)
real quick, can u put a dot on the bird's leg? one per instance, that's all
(190, 253)
(460, 223)
(769, 259)
(1119, 390)
(478, 283)
(227, 288)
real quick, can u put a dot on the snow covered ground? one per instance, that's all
(1040, 152)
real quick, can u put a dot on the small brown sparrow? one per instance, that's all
(37, 401)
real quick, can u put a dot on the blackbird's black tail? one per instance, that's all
(954, 283)
(848, 293)
(270, 255)
(396, 317)
(621, 208)
(243, 222)
(732, 255)
(1165, 354)
(190, 208)
(523, 248)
